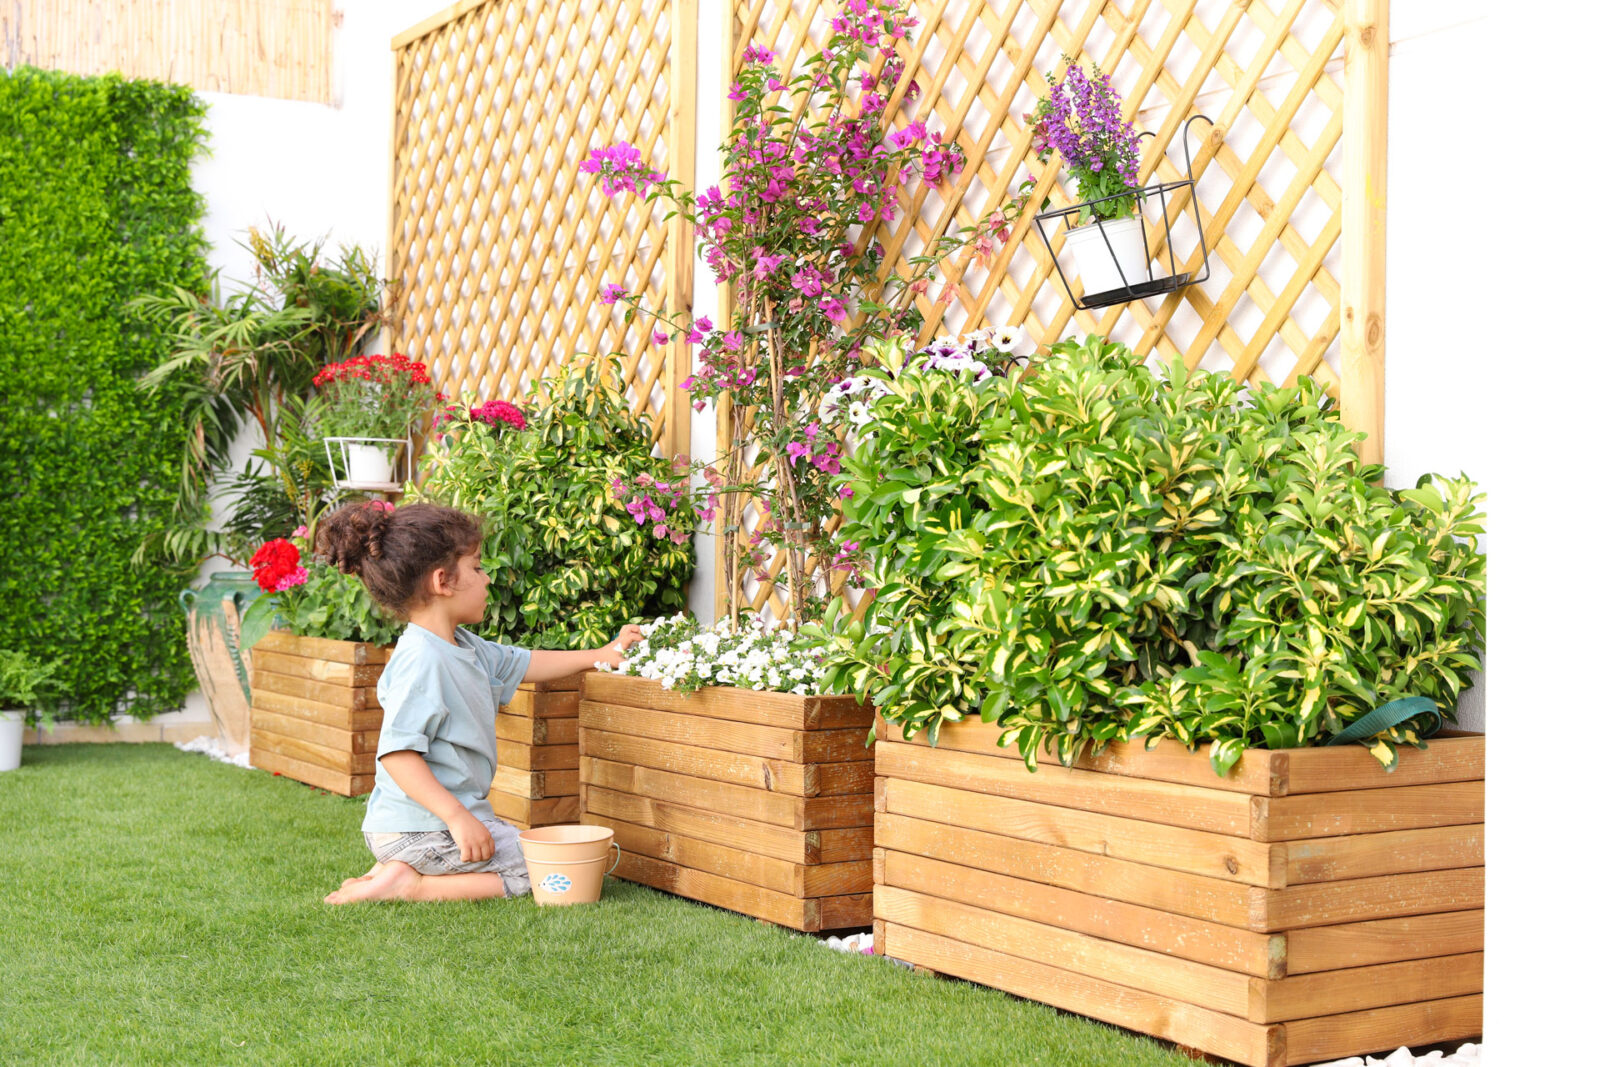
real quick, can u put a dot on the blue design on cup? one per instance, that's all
(555, 883)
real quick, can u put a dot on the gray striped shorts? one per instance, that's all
(435, 852)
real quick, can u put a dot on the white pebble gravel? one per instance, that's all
(1402, 1057)
(214, 748)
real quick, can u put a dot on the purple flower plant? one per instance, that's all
(1082, 119)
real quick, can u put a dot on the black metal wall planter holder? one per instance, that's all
(1104, 242)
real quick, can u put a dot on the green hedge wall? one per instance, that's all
(95, 208)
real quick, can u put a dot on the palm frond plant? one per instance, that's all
(247, 357)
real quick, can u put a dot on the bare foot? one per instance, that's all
(391, 881)
(348, 882)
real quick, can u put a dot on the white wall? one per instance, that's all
(320, 170)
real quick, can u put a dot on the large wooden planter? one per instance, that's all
(756, 802)
(314, 713)
(536, 782)
(1306, 908)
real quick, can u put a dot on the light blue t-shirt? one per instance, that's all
(440, 699)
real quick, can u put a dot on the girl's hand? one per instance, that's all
(612, 653)
(472, 838)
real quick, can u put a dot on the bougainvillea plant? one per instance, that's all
(1081, 119)
(374, 396)
(813, 169)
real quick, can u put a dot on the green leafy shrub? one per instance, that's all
(567, 563)
(1090, 552)
(250, 356)
(95, 209)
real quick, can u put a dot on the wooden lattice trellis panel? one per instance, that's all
(1272, 78)
(500, 245)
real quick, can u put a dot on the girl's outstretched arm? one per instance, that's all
(547, 666)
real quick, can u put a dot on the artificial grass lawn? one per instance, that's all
(159, 907)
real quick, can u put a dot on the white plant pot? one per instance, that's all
(371, 464)
(1093, 261)
(11, 739)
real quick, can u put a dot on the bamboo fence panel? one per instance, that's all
(500, 245)
(1269, 175)
(276, 48)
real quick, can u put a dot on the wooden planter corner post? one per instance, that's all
(1306, 908)
(536, 782)
(314, 713)
(753, 801)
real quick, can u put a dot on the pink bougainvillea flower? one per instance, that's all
(610, 294)
(660, 337)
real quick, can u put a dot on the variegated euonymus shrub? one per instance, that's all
(1092, 551)
(569, 559)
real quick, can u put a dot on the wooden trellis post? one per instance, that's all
(1362, 265)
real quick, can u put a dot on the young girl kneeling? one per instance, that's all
(428, 819)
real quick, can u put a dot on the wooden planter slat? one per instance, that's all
(528, 813)
(346, 762)
(1331, 859)
(355, 652)
(348, 785)
(734, 705)
(1252, 918)
(801, 846)
(531, 757)
(323, 692)
(779, 776)
(1361, 988)
(781, 876)
(316, 711)
(1451, 757)
(535, 785)
(754, 801)
(554, 731)
(318, 670)
(1362, 899)
(1135, 798)
(1110, 961)
(315, 732)
(537, 731)
(796, 912)
(1196, 851)
(799, 813)
(1426, 1023)
(1272, 864)
(542, 704)
(1327, 948)
(798, 746)
(1136, 1009)
(1366, 811)
(1082, 872)
(1131, 924)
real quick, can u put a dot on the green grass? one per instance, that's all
(158, 907)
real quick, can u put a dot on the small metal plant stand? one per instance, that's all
(356, 468)
(1064, 220)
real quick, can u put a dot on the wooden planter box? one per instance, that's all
(314, 713)
(1306, 908)
(536, 782)
(752, 801)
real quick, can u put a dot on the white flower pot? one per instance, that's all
(11, 739)
(371, 464)
(1091, 257)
